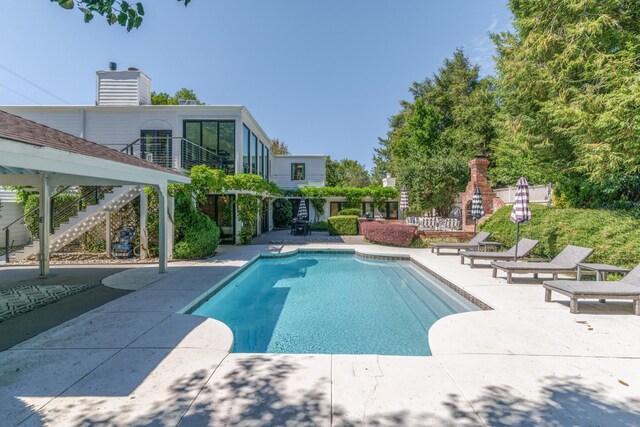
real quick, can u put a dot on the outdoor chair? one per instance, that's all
(471, 244)
(524, 247)
(627, 288)
(564, 262)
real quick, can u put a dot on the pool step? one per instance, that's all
(406, 288)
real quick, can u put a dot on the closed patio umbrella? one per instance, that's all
(521, 213)
(302, 209)
(404, 199)
(477, 211)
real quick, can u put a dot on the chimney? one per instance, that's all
(388, 181)
(126, 87)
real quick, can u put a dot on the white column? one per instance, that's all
(144, 236)
(162, 225)
(45, 224)
(107, 233)
(170, 225)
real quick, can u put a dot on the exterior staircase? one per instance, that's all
(82, 222)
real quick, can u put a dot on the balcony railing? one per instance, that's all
(160, 150)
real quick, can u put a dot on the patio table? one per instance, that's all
(600, 270)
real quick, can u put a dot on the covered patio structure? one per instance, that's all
(34, 155)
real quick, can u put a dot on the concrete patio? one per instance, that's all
(135, 361)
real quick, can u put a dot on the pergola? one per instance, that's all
(37, 156)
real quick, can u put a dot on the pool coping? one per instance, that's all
(206, 296)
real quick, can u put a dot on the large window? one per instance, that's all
(156, 146)
(367, 209)
(216, 136)
(336, 207)
(392, 210)
(246, 149)
(297, 172)
(254, 153)
(261, 159)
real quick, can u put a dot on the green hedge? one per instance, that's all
(346, 225)
(612, 233)
(350, 211)
(319, 226)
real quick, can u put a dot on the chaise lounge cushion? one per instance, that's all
(473, 243)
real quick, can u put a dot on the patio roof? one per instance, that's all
(38, 156)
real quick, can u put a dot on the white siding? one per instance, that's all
(69, 121)
(315, 171)
(123, 88)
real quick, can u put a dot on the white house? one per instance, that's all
(179, 137)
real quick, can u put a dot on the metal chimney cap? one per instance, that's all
(132, 69)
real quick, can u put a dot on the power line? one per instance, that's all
(18, 93)
(33, 84)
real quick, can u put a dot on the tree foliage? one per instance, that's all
(163, 98)
(346, 173)
(569, 89)
(121, 12)
(434, 136)
(279, 147)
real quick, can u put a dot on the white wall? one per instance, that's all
(315, 171)
(9, 212)
(537, 194)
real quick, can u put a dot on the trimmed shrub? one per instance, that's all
(319, 226)
(197, 236)
(388, 234)
(346, 225)
(350, 211)
(612, 233)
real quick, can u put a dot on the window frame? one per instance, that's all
(304, 171)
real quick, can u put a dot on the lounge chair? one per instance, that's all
(471, 244)
(564, 262)
(524, 247)
(627, 288)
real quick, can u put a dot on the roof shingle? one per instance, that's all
(29, 132)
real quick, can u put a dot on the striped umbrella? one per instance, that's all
(302, 209)
(521, 213)
(404, 199)
(477, 211)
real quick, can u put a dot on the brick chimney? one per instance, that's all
(479, 179)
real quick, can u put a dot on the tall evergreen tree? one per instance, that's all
(434, 136)
(569, 87)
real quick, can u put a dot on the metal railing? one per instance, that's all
(59, 213)
(159, 150)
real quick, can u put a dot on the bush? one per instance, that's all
(612, 233)
(197, 236)
(282, 213)
(346, 225)
(319, 226)
(388, 234)
(350, 211)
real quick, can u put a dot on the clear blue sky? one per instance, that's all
(323, 76)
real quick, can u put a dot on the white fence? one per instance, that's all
(537, 194)
(434, 223)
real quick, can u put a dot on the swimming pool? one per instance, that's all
(338, 303)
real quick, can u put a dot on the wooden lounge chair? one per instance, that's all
(524, 247)
(564, 262)
(471, 244)
(627, 288)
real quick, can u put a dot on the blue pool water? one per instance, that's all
(332, 303)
